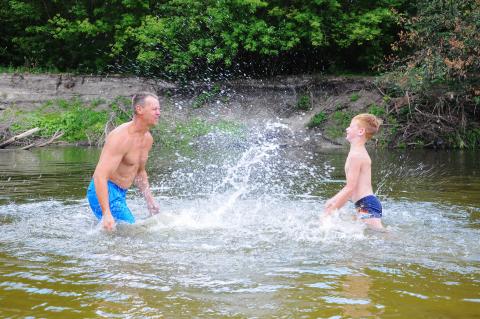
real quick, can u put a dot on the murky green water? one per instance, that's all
(239, 237)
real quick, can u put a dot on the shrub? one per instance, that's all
(304, 103)
(317, 120)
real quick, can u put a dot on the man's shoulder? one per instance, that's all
(118, 136)
(121, 128)
(120, 131)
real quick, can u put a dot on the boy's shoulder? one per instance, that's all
(359, 156)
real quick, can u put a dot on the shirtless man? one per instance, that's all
(122, 163)
(358, 169)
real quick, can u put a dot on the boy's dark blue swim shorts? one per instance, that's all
(369, 206)
(117, 200)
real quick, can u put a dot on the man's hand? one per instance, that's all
(153, 208)
(108, 222)
(329, 206)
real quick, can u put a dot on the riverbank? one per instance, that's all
(316, 109)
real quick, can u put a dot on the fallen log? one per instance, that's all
(55, 136)
(29, 146)
(19, 136)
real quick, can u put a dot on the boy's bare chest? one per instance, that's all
(362, 161)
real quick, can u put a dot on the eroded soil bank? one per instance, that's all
(322, 103)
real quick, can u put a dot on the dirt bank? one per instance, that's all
(289, 100)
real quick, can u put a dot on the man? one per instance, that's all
(122, 163)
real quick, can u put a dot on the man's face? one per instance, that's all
(151, 111)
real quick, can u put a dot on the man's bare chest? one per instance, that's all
(136, 157)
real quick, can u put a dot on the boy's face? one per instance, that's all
(354, 131)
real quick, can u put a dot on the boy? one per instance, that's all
(358, 173)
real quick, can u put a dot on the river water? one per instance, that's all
(239, 236)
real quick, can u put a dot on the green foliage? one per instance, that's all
(180, 136)
(206, 97)
(304, 103)
(472, 138)
(122, 109)
(33, 70)
(354, 97)
(444, 43)
(376, 110)
(191, 37)
(192, 129)
(77, 120)
(343, 119)
(437, 67)
(340, 121)
(317, 120)
(476, 100)
(195, 128)
(81, 122)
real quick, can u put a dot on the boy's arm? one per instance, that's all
(345, 193)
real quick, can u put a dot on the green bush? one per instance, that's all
(304, 103)
(317, 120)
(354, 97)
(206, 97)
(436, 66)
(195, 37)
(74, 120)
(340, 121)
(77, 120)
(376, 110)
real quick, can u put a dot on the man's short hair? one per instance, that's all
(139, 99)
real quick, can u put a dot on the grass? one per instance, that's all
(340, 121)
(82, 122)
(78, 120)
(354, 97)
(317, 120)
(180, 136)
(33, 70)
(376, 110)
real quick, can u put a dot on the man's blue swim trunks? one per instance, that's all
(369, 206)
(116, 198)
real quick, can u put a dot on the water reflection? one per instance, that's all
(355, 297)
(59, 173)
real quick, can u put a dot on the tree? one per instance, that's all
(438, 67)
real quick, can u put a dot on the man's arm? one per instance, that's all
(110, 158)
(345, 193)
(141, 181)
